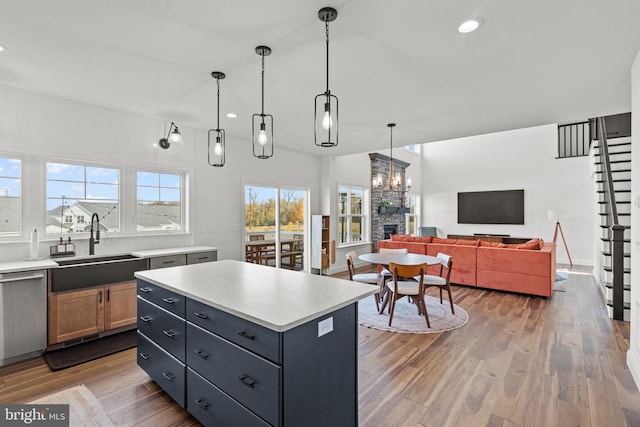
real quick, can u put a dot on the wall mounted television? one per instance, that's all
(491, 207)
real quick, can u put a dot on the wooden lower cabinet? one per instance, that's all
(77, 314)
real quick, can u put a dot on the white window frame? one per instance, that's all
(415, 150)
(364, 217)
(84, 164)
(21, 207)
(184, 223)
(415, 214)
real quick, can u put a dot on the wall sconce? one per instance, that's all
(173, 137)
(377, 181)
(263, 137)
(325, 131)
(408, 186)
(219, 144)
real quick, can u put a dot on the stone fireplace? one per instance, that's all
(392, 221)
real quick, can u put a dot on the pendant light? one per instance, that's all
(325, 132)
(173, 137)
(262, 124)
(217, 157)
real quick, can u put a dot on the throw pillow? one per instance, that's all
(401, 238)
(492, 244)
(422, 239)
(443, 241)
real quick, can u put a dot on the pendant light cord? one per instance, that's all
(262, 55)
(327, 35)
(218, 125)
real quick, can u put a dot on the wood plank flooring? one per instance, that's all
(519, 361)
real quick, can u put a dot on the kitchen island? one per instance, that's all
(238, 343)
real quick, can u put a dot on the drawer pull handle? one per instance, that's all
(201, 315)
(203, 257)
(170, 300)
(169, 262)
(246, 335)
(146, 318)
(170, 333)
(202, 354)
(169, 376)
(248, 381)
(203, 404)
(145, 356)
(146, 290)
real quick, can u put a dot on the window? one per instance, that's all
(80, 219)
(10, 196)
(351, 218)
(411, 218)
(74, 190)
(159, 202)
(414, 148)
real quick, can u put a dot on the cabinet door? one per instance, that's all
(120, 309)
(75, 314)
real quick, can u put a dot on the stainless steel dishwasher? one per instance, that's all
(23, 319)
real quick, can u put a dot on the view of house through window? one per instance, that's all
(10, 196)
(75, 192)
(159, 201)
(273, 215)
(351, 219)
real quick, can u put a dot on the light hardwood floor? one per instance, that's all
(519, 361)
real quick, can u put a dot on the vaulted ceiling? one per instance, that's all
(530, 63)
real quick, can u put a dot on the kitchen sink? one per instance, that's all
(94, 270)
(94, 259)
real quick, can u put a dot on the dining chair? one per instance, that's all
(254, 237)
(370, 278)
(442, 281)
(408, 280)
(385, 273)
(428, 231)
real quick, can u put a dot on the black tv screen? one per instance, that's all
(491, 207)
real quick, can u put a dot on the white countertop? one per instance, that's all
(38, 264)
(172, 251)
(275, 298)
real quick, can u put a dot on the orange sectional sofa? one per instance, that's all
(528, 268)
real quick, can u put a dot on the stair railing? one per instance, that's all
(617, 246)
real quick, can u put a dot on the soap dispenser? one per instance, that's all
(71, 247)
(62, 248)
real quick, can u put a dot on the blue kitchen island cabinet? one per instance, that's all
(240, 344)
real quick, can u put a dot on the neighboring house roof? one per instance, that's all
(9, 215)
(108, 213)
(156, 216)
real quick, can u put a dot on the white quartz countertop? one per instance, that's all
(275, 298)
(172, 251)
(28, 265)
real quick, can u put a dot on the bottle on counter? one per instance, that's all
(62, 248)
(70, 246)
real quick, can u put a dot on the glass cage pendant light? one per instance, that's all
(325, 132)
(262, 124)
(216, 156)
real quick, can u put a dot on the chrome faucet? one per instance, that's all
(93, 242)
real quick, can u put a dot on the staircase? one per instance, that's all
(613, 182)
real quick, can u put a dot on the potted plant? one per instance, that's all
(383, 206)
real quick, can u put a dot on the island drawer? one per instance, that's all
(167, 261)
(162, 297)
(212, 407)
(198, 257)
(248, 378)
(166, 329)
(249, 335)
(168, 372)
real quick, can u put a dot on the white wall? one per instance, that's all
(633, 355)
(39, 128)
(517, 159)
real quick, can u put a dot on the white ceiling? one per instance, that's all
(403, 61)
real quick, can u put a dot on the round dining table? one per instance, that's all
(384, 258)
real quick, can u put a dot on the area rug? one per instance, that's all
(560, 284)
(84, 407)
(71, 356)
(406, 319)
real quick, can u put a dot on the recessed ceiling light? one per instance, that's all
(2, 48)
(470, 25)
(232, 115)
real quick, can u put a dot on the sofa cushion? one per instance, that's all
(422, 239)
(538, 241)
(492, 244)
(402, 237)
(534, 246)
(465, 242)
(443, 241)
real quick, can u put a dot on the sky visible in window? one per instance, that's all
(10, 172)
